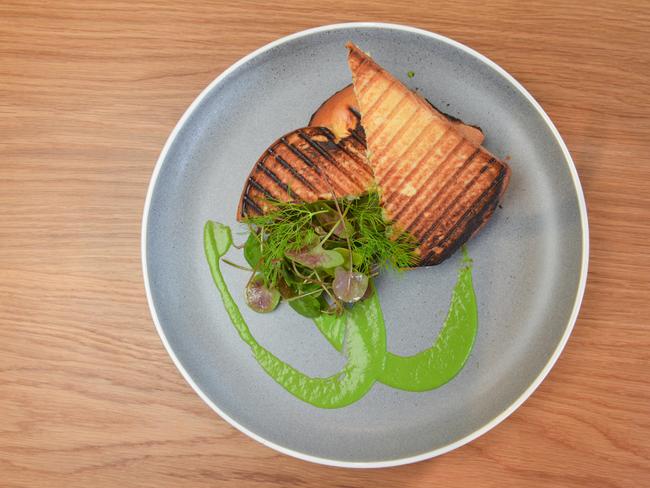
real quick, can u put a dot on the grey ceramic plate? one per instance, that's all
(530, 260)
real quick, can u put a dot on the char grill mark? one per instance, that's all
(301, 155)
(444, 188)
(437, 194)
(294, 172)
(393, 166)
(283, 186)
(332, 161)
(444, 212)
(353, 152)
(472, 219)
(253, 182)
(250, 203)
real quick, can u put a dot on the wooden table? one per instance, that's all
(89, 91)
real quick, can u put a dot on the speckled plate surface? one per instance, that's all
(530, 260)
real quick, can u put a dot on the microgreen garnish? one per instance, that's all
(322, 254)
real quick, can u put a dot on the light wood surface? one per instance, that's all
(89, 91)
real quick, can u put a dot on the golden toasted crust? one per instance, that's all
(435, 183)
(306, 165)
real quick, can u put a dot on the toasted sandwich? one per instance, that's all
(297, 167)
(436, 180)
(436, 183)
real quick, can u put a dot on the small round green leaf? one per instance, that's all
(259, 297)
(316, 257)
(349, 286)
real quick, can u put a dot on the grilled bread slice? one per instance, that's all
(435, 183)
(307, 165)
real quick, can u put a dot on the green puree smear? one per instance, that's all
(438, 364)
(360, 332)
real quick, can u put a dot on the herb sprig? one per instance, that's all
(375, 239)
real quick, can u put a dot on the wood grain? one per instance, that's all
(89, 92)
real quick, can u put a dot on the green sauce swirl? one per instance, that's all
(362, 331)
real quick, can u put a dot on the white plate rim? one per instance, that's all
(531, 388)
